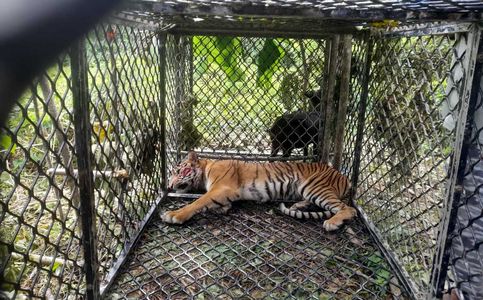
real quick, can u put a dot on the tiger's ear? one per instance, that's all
(192, 156)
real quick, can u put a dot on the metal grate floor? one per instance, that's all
(253, 252)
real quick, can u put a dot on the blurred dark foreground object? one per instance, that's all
(33, 33)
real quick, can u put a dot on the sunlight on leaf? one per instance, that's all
(6, 142)
(230, 51)
(226, 52)
(267, 62)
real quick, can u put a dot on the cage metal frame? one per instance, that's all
(442, 254)
(455, 187)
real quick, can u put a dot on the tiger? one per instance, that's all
(227, 181)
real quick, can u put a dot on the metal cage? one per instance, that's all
(393, 90)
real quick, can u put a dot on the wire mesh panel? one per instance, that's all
(180, 130)
(413, 106)
(40, 228)
(254, 253)
(466, 250)
(297, 18)
(237, 90)
(248, 98)
(124, 89)
(40, 249)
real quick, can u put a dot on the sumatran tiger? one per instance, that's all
(227, 181)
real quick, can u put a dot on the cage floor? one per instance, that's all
(253, 252)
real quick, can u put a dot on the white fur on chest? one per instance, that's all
(208, 184)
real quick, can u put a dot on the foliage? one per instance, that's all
(267, 62)
(6, 143)
(378, 266)
(407, 95)
(226, 52)
(237, 114)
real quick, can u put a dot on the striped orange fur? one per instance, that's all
(227, 181)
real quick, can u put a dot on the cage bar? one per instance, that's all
(162, 98)
(459, 160)
(86, 191)
(343, 99)
(107, 125)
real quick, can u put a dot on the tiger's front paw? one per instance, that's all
(332, 224)
(172, 217)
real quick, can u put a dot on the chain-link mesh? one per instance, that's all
(124, 89)
(428, 5)
(310, 18)
(229, 105)
(254, 253)
(40, 249)
(222, 103)
(248, 98)
(466, 254)
(413, 106)
(40, 246)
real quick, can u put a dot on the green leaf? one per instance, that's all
(6, 142)
(377, 265)
(267, 60)
(11, 274)
(56, 265)
(382, 276)
(226, 52)
(229, 55)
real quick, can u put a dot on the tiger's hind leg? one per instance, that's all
(329, 201)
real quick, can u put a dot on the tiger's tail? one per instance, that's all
(304, 215)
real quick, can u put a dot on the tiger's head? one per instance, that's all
(187, 175)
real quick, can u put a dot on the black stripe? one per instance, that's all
(287, 193)
(309, 183)
(300, 168)
(217, 203)
(223, 176)
(267, 189)
(330, 203)
(269, 177)
(281, 191)
(334, 205)
(278, 177)
(333, 178)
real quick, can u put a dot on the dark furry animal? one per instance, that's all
(297, 130)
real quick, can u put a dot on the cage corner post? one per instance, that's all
(463, 135)
(180, 112)
(78, 55)
(343, 100)
(361, 116)
(162, 38)
(327, 134)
